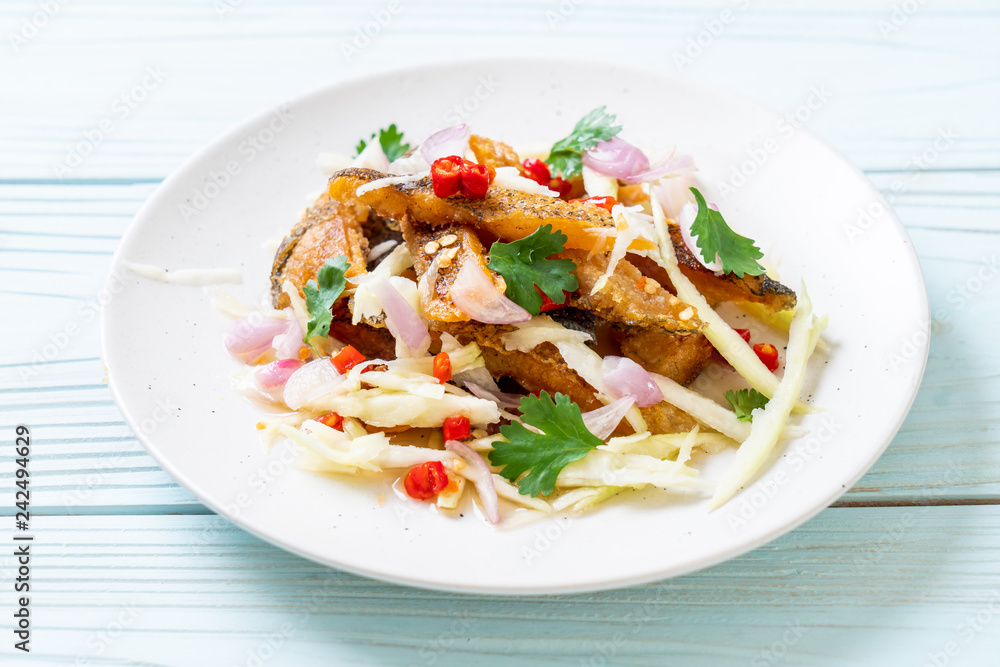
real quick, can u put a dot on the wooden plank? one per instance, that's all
(192, 590)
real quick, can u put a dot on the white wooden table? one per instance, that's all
(101, 99)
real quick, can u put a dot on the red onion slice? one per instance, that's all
(508, 401)
(617, 158)
(400, 317)
(475, 295)
(674, 193)
(481, 477)
(449, 141)
(271, 379)
(311, 381)
(674, 165)
(287, 345)
(624, 377)
(251, 336)
(602, 422)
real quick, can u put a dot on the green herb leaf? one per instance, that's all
(321, 295)
(391, 140)
(745, 401)
(564, 439)
(566, 156)
(738, 254)
(523, 265)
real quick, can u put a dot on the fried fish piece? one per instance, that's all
(680, 357)
(718, 287)
(447, 249)
(493, 153)
(507, 214)
(628, 297)
(374, 343)
(328, 229)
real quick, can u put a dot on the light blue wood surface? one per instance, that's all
(129, 566)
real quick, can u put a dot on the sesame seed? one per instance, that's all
(431, 247)
(686, 314)
(447, 240)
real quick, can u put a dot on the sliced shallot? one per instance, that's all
(617, 158)
(671, 166)
(400, 317)
(509, 401)
(481, 476)
(449, 141)
(602, 422)
(249, 337)
(475, 295)
(624, 377)
(288, 344)
(311, 381)
(271, 378)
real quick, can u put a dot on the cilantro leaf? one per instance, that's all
(565, 439)
(566, 156)
(321, 295)
(391, 140)
(738, 254)
(523, 265)
(745, 401)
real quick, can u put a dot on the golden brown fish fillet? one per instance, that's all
(628, 297)
(507, 214)
(451, 247)
(493, 153)
(718, 288)
(374, 343)
(679, 357)
(328, 229)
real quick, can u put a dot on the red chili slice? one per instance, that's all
(768, 354)
(442, 367)
(426, 480)
(446, 175)
(476, 179)
(456, 427)
(536, 170)
(347, 359)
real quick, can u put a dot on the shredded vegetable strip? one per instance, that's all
(705, 410)
(725, 339)
(769, 421)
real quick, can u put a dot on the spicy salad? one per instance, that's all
(523, 329)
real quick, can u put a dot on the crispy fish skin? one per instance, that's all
(493, 153)
(624, 298)
(452, 247)
(507, 214)
(372, 342)
(679, 357)
(718, 288)
(328, 229)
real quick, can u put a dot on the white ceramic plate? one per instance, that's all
(162, 343)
